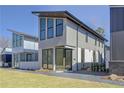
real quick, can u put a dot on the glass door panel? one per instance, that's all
(50, 59)
(44, 59)
(68, 59)
(59, 59)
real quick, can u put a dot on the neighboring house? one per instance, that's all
(66, 43)
(117, 39)
(24, 51)
(6, 57)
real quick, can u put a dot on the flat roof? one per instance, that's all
(24, 34)
(66, 14)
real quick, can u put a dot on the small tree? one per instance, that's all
(100, 31)
(4, 42)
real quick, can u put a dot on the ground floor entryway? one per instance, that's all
(63, 59)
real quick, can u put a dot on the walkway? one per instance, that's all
(98, 77)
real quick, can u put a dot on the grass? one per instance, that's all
(18, 79)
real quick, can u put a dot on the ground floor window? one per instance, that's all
(25, 57)
(47, 58)
(63, 58)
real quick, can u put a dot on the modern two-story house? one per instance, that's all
(66, 43)
(24, 51)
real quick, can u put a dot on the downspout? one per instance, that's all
(77, 46)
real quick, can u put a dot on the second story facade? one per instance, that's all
(62, 28)
(22, 42)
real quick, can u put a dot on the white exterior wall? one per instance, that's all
(74, 60)
(34, 65)
(30, 45)
(88, 56)
(97, 57)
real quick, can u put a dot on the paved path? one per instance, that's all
(82, 76)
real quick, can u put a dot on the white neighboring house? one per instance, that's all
(24, 51)
(66, 43)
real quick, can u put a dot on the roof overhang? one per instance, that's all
(66, 14)
(24, 34)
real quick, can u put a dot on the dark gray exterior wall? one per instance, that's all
(117, 39)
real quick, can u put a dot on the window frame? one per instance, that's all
(48, 28)
(43, 31)
(57, 35)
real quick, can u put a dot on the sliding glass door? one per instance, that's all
(63, 59)
(68, 59)
(47, 59)
(59, 58)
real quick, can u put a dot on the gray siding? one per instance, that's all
(117, 45)
(117, 32)
(117, 19)
(71, 37)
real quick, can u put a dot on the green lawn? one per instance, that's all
(16, 79)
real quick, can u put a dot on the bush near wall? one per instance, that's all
(97, 67)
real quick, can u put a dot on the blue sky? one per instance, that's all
(21, 19)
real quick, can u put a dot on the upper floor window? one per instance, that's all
(86, 37)
(42, 28)
(59, 27)
(17, 40)
(50, 30)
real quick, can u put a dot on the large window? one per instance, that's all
(17, 40)
(59, 27)
(42, 28)
(50, 30)
(47, 58)
(28, 57)
(59, 58)
(63, 59)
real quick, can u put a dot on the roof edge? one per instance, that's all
(77, 21)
